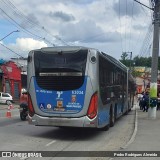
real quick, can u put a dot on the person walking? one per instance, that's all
(145, 102)
(140, 100)
(158, 101)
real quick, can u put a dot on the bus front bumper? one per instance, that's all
(62, 121)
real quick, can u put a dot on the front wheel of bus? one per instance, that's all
(112, 117)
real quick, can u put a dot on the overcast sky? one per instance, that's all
(111, 26)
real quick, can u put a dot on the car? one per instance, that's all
(5, 98)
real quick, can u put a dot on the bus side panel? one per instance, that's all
(103, 115)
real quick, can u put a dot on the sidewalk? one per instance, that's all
(146, 136)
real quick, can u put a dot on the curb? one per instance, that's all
(135, 130)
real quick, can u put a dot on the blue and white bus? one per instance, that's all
(76, 86)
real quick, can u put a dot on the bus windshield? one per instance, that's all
(60, 69)
(60, 62)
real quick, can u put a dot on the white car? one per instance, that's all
(5, 98)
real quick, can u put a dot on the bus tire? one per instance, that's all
(126, 112)
(127, 109)
(105, 128)
(112, 117)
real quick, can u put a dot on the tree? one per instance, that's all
(138, 61)
(124, 56)
(124, 59)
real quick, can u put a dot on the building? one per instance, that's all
(143, 81)
(22, 64)
(1, 74)
(11, 79)
(142, 84)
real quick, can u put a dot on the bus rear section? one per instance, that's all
(60, 85)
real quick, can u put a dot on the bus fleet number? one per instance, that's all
(77, 92)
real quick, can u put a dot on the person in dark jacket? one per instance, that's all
(140, 99)
(158, 101)
(145, 102)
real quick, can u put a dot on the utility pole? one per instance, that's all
(154, 67)
(155, 53)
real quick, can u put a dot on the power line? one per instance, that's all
(23, 19)
(120, 27)
(144, 5)
(27, 31)
(125, 23)
(131, 25)
(147, 41)
(11, 50)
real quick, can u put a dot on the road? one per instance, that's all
(17, 135)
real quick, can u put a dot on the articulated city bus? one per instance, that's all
(76, 86)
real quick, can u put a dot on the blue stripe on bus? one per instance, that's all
(71, 101)
(103, 116)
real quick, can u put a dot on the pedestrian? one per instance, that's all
(158, 101)
(145, 101)
(140, 100)
(24, 98)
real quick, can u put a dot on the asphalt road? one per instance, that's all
(17, 135)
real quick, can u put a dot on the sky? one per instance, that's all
(111, 26)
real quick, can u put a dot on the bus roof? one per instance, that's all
(61, 49)
(114, 61)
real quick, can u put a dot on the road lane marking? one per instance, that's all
(48, 144)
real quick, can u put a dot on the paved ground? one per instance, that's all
(146, 138)
(5, 108)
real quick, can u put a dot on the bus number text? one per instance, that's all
(77, 92)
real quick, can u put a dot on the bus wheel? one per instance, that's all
(126, 112)
(127, 109)
(105, 128)
(112, 117)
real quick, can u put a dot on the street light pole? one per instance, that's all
(9, 34)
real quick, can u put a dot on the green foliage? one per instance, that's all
(142, 61)
(124, 56)
(124, 59)
(137, 61)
